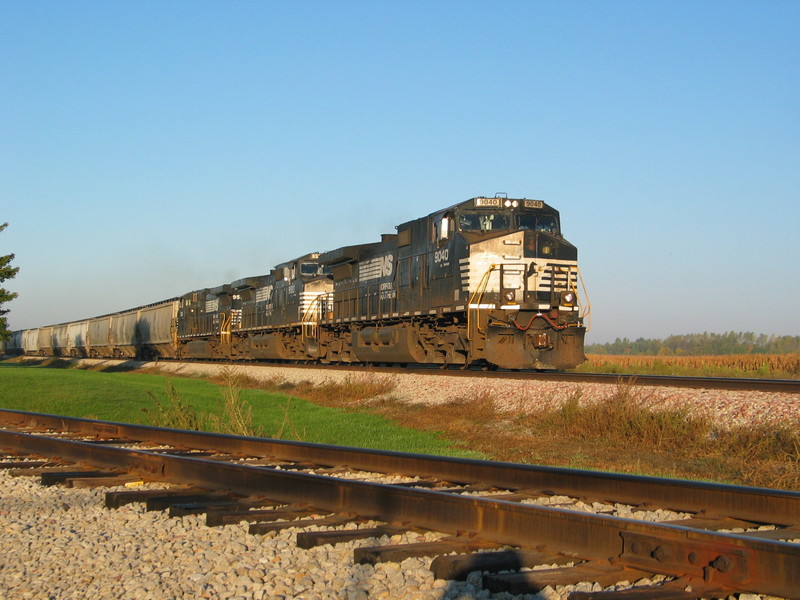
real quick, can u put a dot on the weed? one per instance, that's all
(765, 455)
(174, 413)
(627, 418)
(349, 391)
(234, 415)
(232, 377)
(578, 460)
(287, 424)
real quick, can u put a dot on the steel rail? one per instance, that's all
(739, 502)
(723, 561)
(755, 384)
(791, 386)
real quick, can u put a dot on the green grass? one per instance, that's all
(128, 397)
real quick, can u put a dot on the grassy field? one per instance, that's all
(770, 366)
(626, 431)
(146, 398)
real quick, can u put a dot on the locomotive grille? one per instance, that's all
(556, 277)
(313, 305)
(542, 280)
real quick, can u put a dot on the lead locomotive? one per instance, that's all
(489, 281)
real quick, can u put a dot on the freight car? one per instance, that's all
(145, 332)
(488, 281)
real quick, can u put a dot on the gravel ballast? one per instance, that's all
(61, 543)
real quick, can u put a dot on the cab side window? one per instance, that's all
(442, 229)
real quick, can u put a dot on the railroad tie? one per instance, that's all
(117, 499)
(165, 502)
(531, 582)
(458, 566)
(647, 592)
(216, 518)
(330, 520)
(310, 539)
(399, 552)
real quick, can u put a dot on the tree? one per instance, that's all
(6, 272)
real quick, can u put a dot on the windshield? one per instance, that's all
(310, 269)
(483, 221)
(546, 223)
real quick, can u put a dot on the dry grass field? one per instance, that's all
(774, 366)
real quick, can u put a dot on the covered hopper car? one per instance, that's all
(488, 281)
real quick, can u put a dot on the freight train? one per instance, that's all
(490, 281)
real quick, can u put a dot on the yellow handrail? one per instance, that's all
(480, 290)
(308, 317)
(587, 308)
(225, 328)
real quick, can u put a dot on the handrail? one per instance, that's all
(585, 313)
(315, 308)
(225, 328)
(479, 292)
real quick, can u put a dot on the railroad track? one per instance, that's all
(791, 386)
(752, 384)
(492, 517)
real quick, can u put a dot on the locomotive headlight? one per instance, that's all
(509, 296)
(568, 298)
(507, 203)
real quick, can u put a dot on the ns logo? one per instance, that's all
(387, 265)
(375, 268)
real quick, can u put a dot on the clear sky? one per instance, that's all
(150, 148)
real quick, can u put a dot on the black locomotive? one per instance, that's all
(489, 281)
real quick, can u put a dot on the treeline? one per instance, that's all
(697, 344)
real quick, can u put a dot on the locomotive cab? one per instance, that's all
(518, 243)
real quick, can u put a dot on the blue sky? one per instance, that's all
(152, 148)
